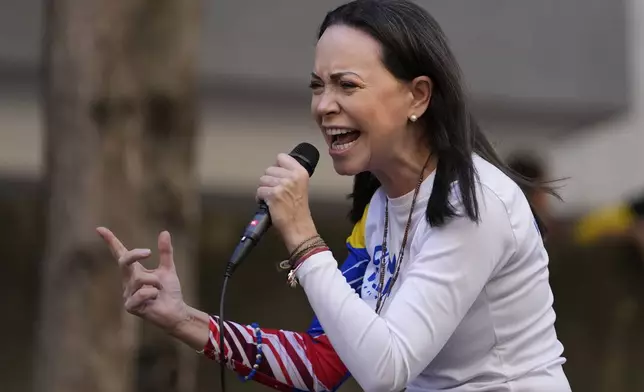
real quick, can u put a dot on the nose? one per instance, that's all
(324, 104)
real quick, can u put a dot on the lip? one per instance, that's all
(325, 128)
(339, 153)
(329, 140)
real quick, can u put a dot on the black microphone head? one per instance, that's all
(307, 155)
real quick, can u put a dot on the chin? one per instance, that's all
(347, 167)
(344, 171)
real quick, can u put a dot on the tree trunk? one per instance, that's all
(120, 126)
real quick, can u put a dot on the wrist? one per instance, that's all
(183, 318)
(192, 328)
(299, 234)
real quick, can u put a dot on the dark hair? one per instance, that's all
(413, 44)
(526, 164)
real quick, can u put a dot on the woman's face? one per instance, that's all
(361, 108)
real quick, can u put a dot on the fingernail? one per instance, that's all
(147, 251)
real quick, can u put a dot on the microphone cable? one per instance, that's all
(222, 351)
(307, 156)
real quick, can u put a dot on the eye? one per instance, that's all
(348, 85)
(315, 85)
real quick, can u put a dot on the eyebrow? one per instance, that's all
(335, 76)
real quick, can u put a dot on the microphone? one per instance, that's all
(307, 156)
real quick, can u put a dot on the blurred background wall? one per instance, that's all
(561, 77)
(564, 80)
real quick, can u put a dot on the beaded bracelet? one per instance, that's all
(258, 357)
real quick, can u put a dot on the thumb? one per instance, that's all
(166, 257)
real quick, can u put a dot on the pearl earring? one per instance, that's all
(413, 118)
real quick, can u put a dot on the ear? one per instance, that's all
(421, 93)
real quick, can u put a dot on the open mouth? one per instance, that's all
(342, 138)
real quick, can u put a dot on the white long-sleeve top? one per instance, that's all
(472, 307)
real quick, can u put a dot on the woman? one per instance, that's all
(463, 302)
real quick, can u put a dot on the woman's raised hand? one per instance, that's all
(153, 295)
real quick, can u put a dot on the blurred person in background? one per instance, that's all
(622, 220)
(531, 167)
(638, 234)
(445, 284)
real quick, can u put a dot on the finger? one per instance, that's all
(166, 252)
(137, 299)
(132, 256)
(278, 172)
(288, 162)
(144, 279)
(269, 181)
(264, 193)
(116, 247)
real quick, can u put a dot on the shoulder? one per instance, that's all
(494, 184)
(480, 247)
(497, 195)
(506, 223)
(495, 187)
(502, 209)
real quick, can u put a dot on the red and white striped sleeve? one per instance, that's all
(291, 360)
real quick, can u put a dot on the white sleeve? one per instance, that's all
(385, 352)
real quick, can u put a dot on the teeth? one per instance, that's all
(340, 147)
(338, 131)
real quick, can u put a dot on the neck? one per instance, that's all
(401, 175)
